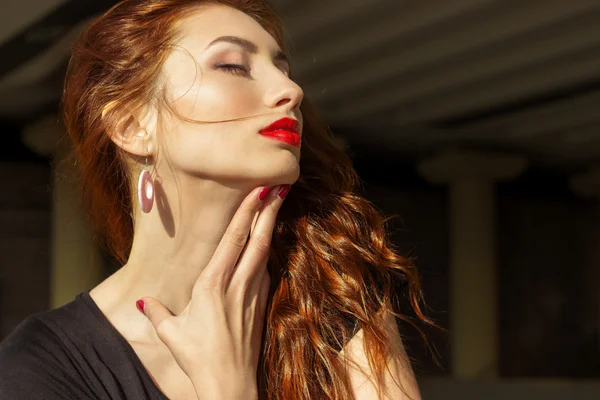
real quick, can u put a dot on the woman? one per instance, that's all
(188, 132)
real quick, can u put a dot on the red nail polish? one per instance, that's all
(140, 305)
(263, 193)
(283, 191)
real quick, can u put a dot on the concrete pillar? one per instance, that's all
(76, 259)
(473, 278)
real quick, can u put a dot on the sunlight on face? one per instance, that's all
(228, 68)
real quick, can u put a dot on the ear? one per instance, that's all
(135, 133)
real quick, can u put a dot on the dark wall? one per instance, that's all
(420, 231)
(24, 242)
(548, 268)
(549, 254)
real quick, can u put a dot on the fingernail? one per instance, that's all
(263, 193)
(140, 306)
(283, 191)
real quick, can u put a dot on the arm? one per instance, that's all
(401, 370)
(216, 392)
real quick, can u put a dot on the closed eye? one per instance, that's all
(235, 69)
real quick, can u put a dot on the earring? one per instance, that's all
(145, 189)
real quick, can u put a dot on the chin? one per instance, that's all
(283, 170)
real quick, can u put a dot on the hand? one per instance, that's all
(216, 340)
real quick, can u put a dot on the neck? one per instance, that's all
(173, 243)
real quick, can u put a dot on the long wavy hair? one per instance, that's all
(333, 268)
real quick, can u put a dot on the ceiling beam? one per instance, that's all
(22, 48)
(574, 35)
(533, 81)
(304, 20)
(334, 49)
(44, 63)
(17, 15)
(501, 25)
(553, 117)
(583, 134)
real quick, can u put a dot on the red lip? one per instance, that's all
(284, 129)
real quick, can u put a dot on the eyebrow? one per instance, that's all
(249, 46)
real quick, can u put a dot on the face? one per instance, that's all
(238, 75)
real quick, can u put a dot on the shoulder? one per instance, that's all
(30, 339)
(399, 380)
(41, 336)
(35, 363)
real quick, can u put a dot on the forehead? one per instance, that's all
(215, 20)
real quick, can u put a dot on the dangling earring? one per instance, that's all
(145, 189)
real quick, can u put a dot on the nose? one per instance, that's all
(285, 93)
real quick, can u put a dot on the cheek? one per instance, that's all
(211, 149)
(229, 151)
(215, 98)
(220, 102)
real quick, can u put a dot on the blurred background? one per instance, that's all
(476, 122)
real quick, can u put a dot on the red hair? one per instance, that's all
(331, 260)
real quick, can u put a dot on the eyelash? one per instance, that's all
(235, 69)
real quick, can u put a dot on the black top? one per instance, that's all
(72, 352)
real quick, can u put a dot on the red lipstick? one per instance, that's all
(284, 129)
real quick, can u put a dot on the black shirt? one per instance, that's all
(72, 352)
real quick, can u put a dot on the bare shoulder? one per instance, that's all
(400, 380)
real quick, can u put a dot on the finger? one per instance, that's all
(254, 222)
(216, 274)
(257, 333)
(158, 315)
(254, 285)
(263, 295)
(249, 300)
(261, 311)
(259, 244)
(235, 282)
